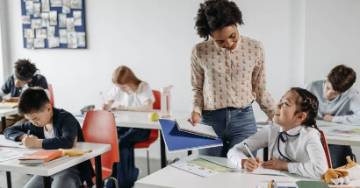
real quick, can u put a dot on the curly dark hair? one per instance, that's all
(307, 102)
(216, 14)
(24, 69)
(341, 78)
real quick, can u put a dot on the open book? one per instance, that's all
(40, 157)
(198, 129)
(8, 104)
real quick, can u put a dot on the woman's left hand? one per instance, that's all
(276, 164)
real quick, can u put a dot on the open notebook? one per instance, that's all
(8, 104)
(198, 129)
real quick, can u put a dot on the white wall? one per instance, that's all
(332, 37)
(154, 38)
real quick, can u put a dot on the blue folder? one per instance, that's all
(176, 140)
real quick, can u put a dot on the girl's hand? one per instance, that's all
(251, 164)
(195, 118)
(276, 164)
(328, 117)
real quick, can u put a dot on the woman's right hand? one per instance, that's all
(251, 164)
(195, 118)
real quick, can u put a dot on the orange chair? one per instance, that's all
(94, 123)
(51, 94)
(154, 134)
(326, 148)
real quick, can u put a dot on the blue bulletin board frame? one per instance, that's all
(51, 34)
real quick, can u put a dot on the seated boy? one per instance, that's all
(25, 76)
(49, 128)
(338, 102)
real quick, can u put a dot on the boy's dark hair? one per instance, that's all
(307, 102)
(24, 69)
(341, 78)
(33, 100)
(216, 14)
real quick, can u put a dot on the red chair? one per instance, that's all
(96, 122)
(154, 134)
(51, 94)
(326, 148)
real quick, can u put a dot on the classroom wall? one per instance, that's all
(332, 37)
(154, 38)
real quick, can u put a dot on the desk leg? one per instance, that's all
(98, 172)
(265, 153)
(163, 152)
(47, 181)
(3, 124)
(8, 179)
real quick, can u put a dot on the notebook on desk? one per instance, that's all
(40, 157)
(198, 129)
(177, 140)
(8, 104)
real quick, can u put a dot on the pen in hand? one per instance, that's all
(248, 150)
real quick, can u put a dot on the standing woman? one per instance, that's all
(227, 75)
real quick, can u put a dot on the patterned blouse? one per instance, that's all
(222, 78)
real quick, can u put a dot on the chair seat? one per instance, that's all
(154, 134)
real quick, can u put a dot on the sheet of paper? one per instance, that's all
(9, 143)
(270, 172)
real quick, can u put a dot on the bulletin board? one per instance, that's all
(53, 24)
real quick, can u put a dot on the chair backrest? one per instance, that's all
(157, 103)
(51, 94)
(99, 127)
(326, 148)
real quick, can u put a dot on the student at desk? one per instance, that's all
(128, 93)
(26, 75)
(49, 128)
(339, 102)
(293, 141)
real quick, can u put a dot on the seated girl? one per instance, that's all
(128, 93)
(293, 141)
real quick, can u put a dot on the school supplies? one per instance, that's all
(248, 150)
(8, 105)
(176, 140)
(40, 157)
(200, 166)
(197, 129)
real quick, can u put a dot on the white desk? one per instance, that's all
(339, 138)
(173, 177)
(6, 112)
(56, 166)
(141, 120)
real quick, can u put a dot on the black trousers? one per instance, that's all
(338, 154)
(125, 171)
